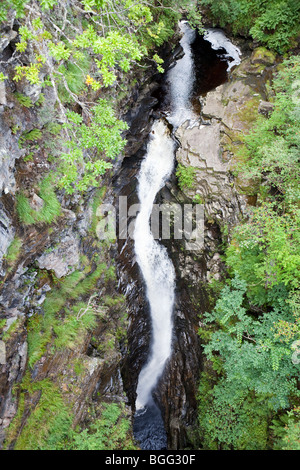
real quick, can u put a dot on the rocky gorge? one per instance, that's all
(63, 258)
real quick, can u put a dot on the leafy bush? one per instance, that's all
(257, 375)
(110, 432)
(251, 333)
(103, 138)
(186, 176)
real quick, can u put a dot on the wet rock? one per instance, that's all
(11, 372)
(3, 100)
(9, 152)
(6, 38)
(7, 233)
(212, 105)
(2, 353)
(200, 147)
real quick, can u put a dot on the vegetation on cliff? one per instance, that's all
(249, 397)
(71, 68)
(84, 52)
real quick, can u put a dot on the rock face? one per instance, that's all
(9, 153)
(49, 254)
(7, 232)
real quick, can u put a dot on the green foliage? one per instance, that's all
(83, 55)
(186, 176)
(30, 72)
(110, 432)
(30, 136)
(24, 100)
(44, 422)
(13, 250)
(17, 5)
(255, 325)
(50, 211)
(12, 329)
(2, 77)
(272, 147)
(274, 23)
(227, 422)
(74, 75)
(265, 251)
(258, 376)
(69, 328)
(103, 138)
(24, 210)
(49, 423)
(47, 4)
(291, 437)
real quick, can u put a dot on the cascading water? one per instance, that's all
(157, 269)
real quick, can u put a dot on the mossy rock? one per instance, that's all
(261, 55)
(247, 186)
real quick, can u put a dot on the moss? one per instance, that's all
(249, 112)
(14, 250)
(12, 329)
(262, 55)
(79, 367)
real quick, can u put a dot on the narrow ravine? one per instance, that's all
(156, 267)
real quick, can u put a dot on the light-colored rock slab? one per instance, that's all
(63, 259)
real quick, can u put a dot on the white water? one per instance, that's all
(218, 41)
(181, 79)
(157, 269)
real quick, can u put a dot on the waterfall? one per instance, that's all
(156, 267)
(181, 79)
(152, 257)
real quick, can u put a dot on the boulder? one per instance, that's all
(265, 108)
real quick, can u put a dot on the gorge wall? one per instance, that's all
(54, 260)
